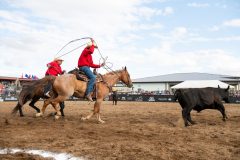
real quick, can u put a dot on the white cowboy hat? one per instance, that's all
(89, 44)
(58, 59)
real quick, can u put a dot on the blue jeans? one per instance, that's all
(91, 78)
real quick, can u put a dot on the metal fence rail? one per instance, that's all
(126, 97)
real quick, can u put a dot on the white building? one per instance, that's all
(165, 82)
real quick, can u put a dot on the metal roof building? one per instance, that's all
(165, 82)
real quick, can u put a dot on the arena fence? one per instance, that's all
(127, 97)
(157, 98)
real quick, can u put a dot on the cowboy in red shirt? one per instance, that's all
(54, 69)
(84, 63)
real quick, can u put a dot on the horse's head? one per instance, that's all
(125, 77)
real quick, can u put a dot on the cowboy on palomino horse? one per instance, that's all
(84, 63)
(67, 85)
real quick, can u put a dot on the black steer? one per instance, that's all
(199, 99)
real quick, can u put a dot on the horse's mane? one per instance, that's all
(113, 72)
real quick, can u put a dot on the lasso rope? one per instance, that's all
(106, 66)
(73, 49)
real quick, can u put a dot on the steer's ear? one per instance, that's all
(228, 88)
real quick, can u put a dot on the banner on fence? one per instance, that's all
(130, 97)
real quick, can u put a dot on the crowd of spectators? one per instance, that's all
(142, 92)
(235, 93)
(7, 88)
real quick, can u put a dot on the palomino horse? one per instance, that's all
(68, 85)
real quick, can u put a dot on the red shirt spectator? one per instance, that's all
(54, 67)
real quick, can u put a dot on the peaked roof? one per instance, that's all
(202, 84)
(180, 77)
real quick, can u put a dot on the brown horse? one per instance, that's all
(68, 85)
(33, 91)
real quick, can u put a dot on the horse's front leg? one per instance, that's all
(57, 109)
(99, 118)
(95, 111)
(46, 103)
(55, 103)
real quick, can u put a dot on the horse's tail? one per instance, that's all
(22, 99)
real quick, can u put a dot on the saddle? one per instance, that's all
(83, 77)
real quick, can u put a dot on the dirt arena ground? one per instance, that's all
(133, 130)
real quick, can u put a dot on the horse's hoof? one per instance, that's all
(39, 114)
(84, 118)
(193, 122)
(101, 121)
(56, 117)
(186, 124)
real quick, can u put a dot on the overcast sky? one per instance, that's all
(150, 37)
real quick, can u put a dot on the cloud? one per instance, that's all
(232, 23)
(206, 61)
(148, 13)
(214, 28)
(166, 11)
(215, 39)
(33, 39)
(130, 33)
(198, 5)
(179, 32)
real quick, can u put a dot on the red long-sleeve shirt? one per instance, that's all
(53, 69)
(85, 58)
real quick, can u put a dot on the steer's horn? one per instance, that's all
(228, 88)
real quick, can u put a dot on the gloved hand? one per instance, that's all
(103, 64)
